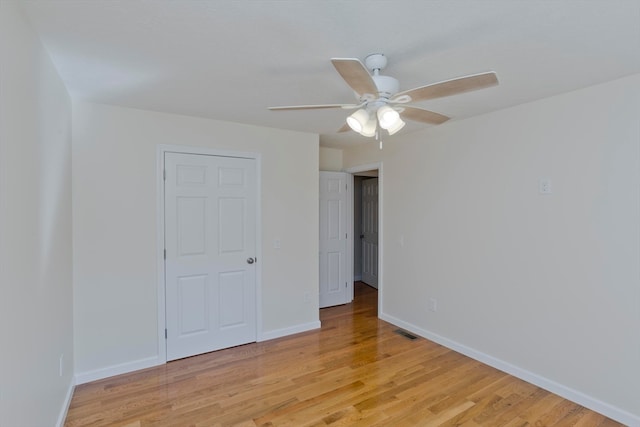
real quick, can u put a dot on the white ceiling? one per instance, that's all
(231, 59)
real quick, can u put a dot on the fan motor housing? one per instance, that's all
(387, 86)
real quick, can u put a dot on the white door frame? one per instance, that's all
(183, 149)
(363, 168)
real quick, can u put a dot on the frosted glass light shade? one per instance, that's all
(387, 117)
(395, 128)
(358, 120)
(370, 127)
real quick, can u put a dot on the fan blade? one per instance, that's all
(356, 75)
(422, 115)
(345, 127)
(451, 87)
(313, 107)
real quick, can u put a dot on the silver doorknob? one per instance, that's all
(250, 260)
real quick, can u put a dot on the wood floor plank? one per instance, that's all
(355, 371)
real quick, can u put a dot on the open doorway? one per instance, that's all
(359, 259)
(374, 174)
(365, 227)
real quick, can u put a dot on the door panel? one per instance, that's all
(231, 299)
(231, 225)
(191, 175)
(333, 239)
(231, 177)
(210, 215)
(334, 284)
(192, 298)
(191, 228)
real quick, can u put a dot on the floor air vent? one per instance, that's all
(405, 334)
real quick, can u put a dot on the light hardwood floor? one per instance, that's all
(355, 371)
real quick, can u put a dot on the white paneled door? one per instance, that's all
(333, 239)
(210, 241)
(370, 232)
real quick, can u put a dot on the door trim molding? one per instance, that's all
(362, 168)
(161, 149)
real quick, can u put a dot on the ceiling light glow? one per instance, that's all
(387, 117)
(358, 120)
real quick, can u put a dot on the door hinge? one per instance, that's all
(165, 254)
(346, 284)
(164, 174)
(165, 333)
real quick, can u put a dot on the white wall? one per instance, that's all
(330, 159)
(546, 284)
(35, 229)
(114, 208)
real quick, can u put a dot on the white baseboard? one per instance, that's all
(578, 397)
(278, 333)
(65, 405)
(122, 368)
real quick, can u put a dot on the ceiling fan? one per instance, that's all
(381, 105)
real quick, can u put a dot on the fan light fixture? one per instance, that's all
(358, 120)
(396, 127)
(381, 104)
(370, 127)
(366, 124)
(387, 117)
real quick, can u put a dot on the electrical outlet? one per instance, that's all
(544, 186)
(433, 305)
(277, 244)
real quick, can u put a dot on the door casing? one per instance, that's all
(363, 168)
